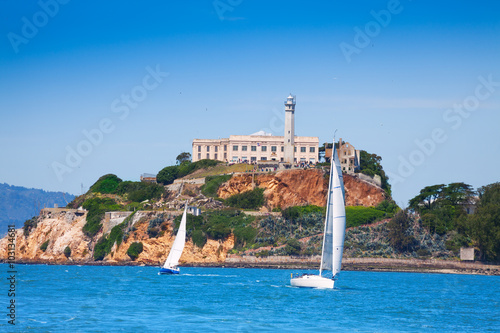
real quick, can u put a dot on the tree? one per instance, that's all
(67, 251)
(134, 250)
(167, 175)
(293, 247)
(427, 198)
(399, 232)
(484, 226)
(457, 194)
(183, 157)
(370, 165)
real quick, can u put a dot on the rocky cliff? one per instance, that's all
(64, 228)
(302, 187)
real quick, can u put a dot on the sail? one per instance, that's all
(333, 241)
(178, 246)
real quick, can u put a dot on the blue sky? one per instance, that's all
(395, 86)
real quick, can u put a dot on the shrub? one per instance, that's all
(43, 247)
(293, 247)
(212, 184)
(358, 215)
(247, 200)
(30, 225)
(134, 250)
(199, 238)
(139, 191)
(424, 253)
(106, 184)
(67, 251)
(96, 208)
(295, 212)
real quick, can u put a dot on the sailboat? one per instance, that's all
(333, 240)
(170, 266)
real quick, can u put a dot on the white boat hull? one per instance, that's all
(312, 281)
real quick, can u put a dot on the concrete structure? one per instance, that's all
(148, 178)
(350, 158)
(289, 138)
(261, 146)
(467, 253)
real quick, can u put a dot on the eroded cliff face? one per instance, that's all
(65, 229)
(301, 187)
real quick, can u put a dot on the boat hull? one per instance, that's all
(169, 271)
(312, 281)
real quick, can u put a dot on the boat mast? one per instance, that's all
(332, 162)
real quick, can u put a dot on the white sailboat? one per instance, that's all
(170, 266)
(333, 240)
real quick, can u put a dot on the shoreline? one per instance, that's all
(348, 264)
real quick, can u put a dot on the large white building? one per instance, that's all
(261, 146)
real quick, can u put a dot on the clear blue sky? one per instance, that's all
(69, 68)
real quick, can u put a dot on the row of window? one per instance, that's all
(262, 148)
(254, 159)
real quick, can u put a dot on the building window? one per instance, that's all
(225, 156)
(295, 159)
(282, 148)
(253, 148)
(311, 160)
(225, 147)
(312, 150)
(235, 148)
(302, 159)
(264, 148)
(235, 158)
(282, 159)
(244, 159)
(253, 158)
(264, 158)
(273, 148)
(208, 156)
(208, 149)
(302, 149)
(216, 148)
(243, 148)
(199, 148)
(215, 156)
(294, 149)
(199, 155)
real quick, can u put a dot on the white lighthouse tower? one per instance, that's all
(289, 151)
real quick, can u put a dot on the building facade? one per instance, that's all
(255, 147)
(350, 159)
(261, 146)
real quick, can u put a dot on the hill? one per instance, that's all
(17, 203)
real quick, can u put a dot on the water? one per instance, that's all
(133, 299)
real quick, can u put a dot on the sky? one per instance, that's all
(89, 88)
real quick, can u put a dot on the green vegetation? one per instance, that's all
(116, 235)
(441, 206)
(483, 227)
(170, 173)
(139, 191)
(96, 208)
(296, 212)
(30, 225)
(183, 157)
(107, 184)
(212, 184)
(247, 200)
(134, 250)
(43, 247)
(67, 251)
(154, 227)
(358, 215)
(293, 247)
(370, 165)
(399, 232)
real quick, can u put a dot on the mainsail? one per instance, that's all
(333, 240)
(178, 246)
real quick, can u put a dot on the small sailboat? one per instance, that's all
(170, 266)
(333, 240)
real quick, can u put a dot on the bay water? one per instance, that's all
(135, 299)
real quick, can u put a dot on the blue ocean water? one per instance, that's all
(134, 299)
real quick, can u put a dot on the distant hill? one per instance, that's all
(17, 204)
